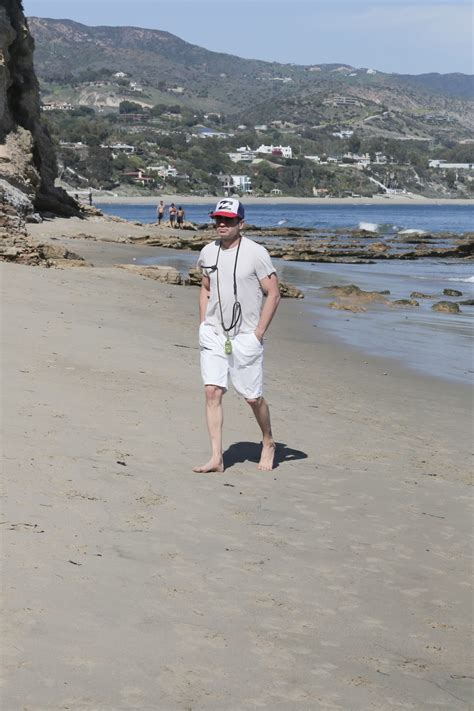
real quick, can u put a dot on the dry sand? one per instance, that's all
(338, 581)
(252, 200)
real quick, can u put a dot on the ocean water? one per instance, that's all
(430, 342)
(436, 218)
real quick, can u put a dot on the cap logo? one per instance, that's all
(226, 205)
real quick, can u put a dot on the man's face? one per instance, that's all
(228, 228)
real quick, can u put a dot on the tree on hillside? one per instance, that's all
(130, 107)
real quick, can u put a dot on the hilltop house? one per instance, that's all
(361, 161)
(205, 132)
(243, 155)
(164, 171)
(284, 151)
(440, 163)
(344, 133)
(119, 148)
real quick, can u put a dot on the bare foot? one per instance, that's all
(213, 465)
(266, 460)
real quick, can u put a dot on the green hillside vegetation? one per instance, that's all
(154, 92)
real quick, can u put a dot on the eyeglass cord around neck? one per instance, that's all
(237, 308)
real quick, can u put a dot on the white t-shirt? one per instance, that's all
(253, 264)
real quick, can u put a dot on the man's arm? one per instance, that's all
(203, 297)
(272, 291)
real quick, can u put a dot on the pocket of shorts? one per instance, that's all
(260, 344)
(252, 344)
(201, 329)
(203, 332)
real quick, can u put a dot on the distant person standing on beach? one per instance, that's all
(236, 274)
(160, 211)
(180, 217)
(90, 196)
(172, 214)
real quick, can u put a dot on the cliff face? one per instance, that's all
(27, 158)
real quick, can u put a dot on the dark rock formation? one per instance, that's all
(452, 292)
(419, 295)
(27, 158)
(405, 302)
(447, 307)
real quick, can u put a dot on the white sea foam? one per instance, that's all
(412, 232)
(369, 226)
(469, 280)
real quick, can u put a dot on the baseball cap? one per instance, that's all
(229, 207)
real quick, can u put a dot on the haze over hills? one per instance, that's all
(166, 67)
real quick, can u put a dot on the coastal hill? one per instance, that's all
(165, 68)
(142, 110)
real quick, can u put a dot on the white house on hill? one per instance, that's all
(284, 151)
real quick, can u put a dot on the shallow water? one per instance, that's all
(430, 342)
(435, 343)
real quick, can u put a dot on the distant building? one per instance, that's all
(138, 176)
(450, 166)
(344, 133)
(243, 155)
(284, 151)
(342, 101)
(284, 80)
(120, 75)
(205, 132)
(120, 148)
(315, 159)
(359, 160)
(57, 106)
(236, 183)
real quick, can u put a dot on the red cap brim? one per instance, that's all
(224, 214)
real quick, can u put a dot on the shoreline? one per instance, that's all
(104, 251)
(199, 200)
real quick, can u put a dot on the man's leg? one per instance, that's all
(215, 420)
(262, 415)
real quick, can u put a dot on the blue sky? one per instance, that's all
(405, 36)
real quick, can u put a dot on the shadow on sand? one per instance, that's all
(250, 452)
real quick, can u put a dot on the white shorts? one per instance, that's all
(244, 364)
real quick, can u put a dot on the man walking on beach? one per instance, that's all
(237, 273)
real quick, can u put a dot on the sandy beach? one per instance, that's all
(252, 200)
(339, 581)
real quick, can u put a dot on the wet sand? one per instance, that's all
(338, 581)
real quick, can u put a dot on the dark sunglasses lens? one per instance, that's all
(224, 220)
